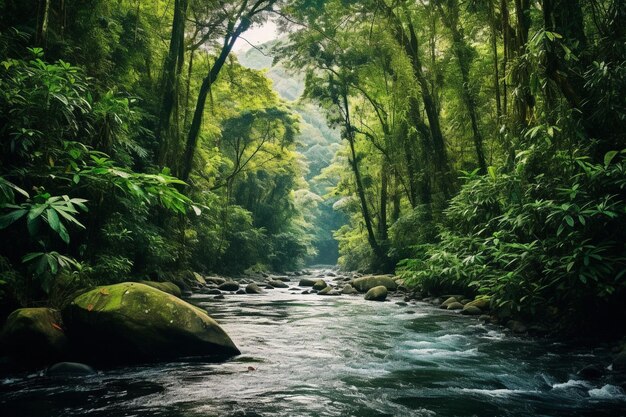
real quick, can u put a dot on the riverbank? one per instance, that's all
(310, 355)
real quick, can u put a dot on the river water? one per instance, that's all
(310, 355)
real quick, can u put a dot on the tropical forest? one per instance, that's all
(312, 208)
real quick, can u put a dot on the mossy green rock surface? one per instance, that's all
(365, 284)
(377, 293)
(168, 287)
(319, 285)
(132, 322)
(33, 337)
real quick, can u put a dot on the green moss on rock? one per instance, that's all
(168, 287)
(33, 337)
(132, 322)
(365, 284)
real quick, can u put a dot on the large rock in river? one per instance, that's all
(33, 337)
(132, 322)
(168, 287)
(377, 293)
(365, 284)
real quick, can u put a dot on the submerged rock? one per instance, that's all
(516, 326)
(168, 287)
(591, 372)
(69, 369)
(253, 288)
(131, 322)
(33, 337)
(365, 284)
(378, 293)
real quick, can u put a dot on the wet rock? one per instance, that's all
(132, 322)
(485, 318)
(465, 301)
(219, 297)
(268, 287)
(283, 279)
(33, 337)
(482, 303)
(328, 291)
(448, 301)
(277, 284)
(619, 362)
(307, 282)
(213, 291)
(305, 292)
(240, 292)
(69, 369)
(401, 303)
(591, 372)
(253, 288)
(378, 293)
(349, 289)
(516, 326)
(331, 274)
(471, 310)
(365, 284)
(168, 287)
(215, 280)
(455, 306)
(320, 284)
(199, 279)
(229, 286)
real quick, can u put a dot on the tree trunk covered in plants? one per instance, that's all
(462, 51)
(165, 135)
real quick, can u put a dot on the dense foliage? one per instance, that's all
(479, 144)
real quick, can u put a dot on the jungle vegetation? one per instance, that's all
(478, 146)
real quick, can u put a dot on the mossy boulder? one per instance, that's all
(469, 310)
(349, 289)
(277, 284)
(133, 322)
(33, 337)
(378, 293)
(319, 285)
(448, 301)
(482, 303)
(455, 306)
(307, 282)
(229, 286)
(253, 288)
(364, 284)
(168, 287)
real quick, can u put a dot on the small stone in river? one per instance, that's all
(307, 282)
(240, 292)
(401, 303)
(471, 311)
(455, 306)
(377, 293)
(320, 284)
(446, 303)
(229, 286)
(591, 372)
(219, 297)
(213, 291)
(69, 369)
(305, 292)
(253, 288)
(516, 326)
(277, 284)
(349, 289)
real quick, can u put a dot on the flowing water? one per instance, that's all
(310, 355)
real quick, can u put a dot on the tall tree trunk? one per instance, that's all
(462, 52)
(167, 138)
(380, 254)
(384, 192)
(524, 100)
(43, 27)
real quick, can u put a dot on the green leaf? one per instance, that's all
(608, 157)
(569, 220)
(8, 219)
(53, 219)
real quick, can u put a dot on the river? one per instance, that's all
(310, 355)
